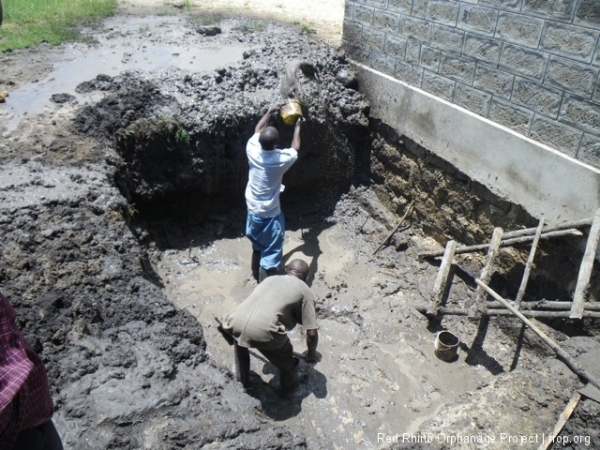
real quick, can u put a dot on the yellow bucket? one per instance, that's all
(291, 112)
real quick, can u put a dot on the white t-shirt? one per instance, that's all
(264, 179)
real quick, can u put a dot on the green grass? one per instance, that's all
(209, 19)
(251, 26)
(31, 22)
(306, 29)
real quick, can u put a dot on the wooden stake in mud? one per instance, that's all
(476, 307)
(585, 270)
(562, 355)
(408, 211)
(562, 420)
(529, 263)
(439, 288)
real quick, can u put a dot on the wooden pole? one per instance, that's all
(561, 226)
(408, 210)
(439, 288)
(563, 355)
(547, 304)
(505, 243)
(476, 308)
(562, 420)
(585, 270)
(525, 279)
(497, 312)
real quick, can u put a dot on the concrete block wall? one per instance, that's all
(530, 65)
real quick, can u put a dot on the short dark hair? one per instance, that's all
(268, 138)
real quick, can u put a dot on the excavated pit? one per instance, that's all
(118, 286)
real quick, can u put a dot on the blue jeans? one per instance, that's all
(267, 236)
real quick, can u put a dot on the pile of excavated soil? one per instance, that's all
(122, 216)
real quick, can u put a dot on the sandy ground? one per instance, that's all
(323, 18)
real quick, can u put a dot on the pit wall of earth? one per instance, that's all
(507, 91)
(451, 205)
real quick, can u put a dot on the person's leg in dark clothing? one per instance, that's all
(283, 358)
(42, 437)
(256, 264)
(242, 364)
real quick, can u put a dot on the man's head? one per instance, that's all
(268, 138)
(297, 268)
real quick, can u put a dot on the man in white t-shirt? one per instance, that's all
(265, 224)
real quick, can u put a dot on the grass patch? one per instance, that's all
(251, 26)
(305, 29)
(31, 22)
(209, 19)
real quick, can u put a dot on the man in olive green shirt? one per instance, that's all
(261, 321)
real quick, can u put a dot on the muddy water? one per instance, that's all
(128, 49)
(378, 374)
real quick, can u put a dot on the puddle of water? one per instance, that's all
(35, 97)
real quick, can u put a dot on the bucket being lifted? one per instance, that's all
(446, 346)
(291, 112)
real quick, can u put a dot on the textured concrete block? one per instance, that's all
(376, 3)
(510, 5)
(519, 29)
(596, 60)
(419, 8)
(472, 99)
(349, 10)
(581, 114)
(458, 69)
(596, 95)
(414, 28)
(443, 11)
(511, 116)
(446, 38)
(589, 150)
(537, 97)
(570, 41)
(483, 49)
(438, 86)
(409, 74)
(482, 20)
(403, 6)
(571, 76)
(396, 46)
(522, 61)
(383, 63)
(430, 58)
(356, 51)
(386, 20)
(588, 13)
(352, 31)
(550, 9)
(413, 52)
(373, 38)
(494, 81)
(364, 14)
(555, 135)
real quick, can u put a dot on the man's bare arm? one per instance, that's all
(264, 121)
(312, 340)
(296, 138)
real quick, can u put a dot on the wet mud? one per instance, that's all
(122, 215)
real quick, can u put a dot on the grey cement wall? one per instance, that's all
(502, 83)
